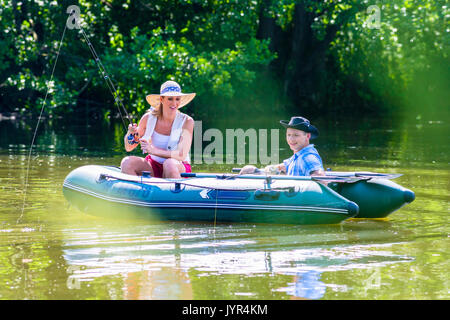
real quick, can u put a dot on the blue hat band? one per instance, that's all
(171, 89)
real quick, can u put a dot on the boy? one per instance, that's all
(306, 160)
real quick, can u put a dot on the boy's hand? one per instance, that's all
(249, 169)
(272, 169)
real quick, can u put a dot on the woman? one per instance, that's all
(164, 133)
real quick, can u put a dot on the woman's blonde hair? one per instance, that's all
(157, 111)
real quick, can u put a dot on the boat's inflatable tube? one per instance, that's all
(101, 190)
(376, 198)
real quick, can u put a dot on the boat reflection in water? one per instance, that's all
(196, 261)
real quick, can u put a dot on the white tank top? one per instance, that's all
(160, 141)
(175, 134)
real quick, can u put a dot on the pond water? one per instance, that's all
(49, 250)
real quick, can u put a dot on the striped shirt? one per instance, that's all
(303, 162)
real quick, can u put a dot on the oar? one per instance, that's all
(272, 177)
(378, 175)
(364, 174)
(368, 175)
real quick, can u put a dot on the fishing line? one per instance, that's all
(111, 87)
(215, 210)
(37, 125)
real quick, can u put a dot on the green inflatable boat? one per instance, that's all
(230, 198)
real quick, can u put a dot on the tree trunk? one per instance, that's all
(305, 74)
(299, 72)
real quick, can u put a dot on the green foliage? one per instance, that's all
(409, 41)
(209, 47)
(325, 53)
(382, 65)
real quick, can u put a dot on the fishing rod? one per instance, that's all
(103, 72)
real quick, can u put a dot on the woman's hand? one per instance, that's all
(131, 138)
(147, 146)
(132, 129)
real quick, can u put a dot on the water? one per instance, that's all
(53, 251)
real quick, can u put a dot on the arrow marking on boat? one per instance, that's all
(204, 193)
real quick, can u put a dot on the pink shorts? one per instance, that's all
(158, 167)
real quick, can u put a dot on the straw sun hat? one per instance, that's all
(170, 89)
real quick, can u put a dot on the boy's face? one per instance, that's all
(297, 139)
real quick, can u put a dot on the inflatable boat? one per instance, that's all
(230, 198)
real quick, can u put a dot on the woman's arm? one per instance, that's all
(184, 145)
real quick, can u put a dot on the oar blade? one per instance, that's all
(375, 175)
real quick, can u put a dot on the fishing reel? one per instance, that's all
(131, 139)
